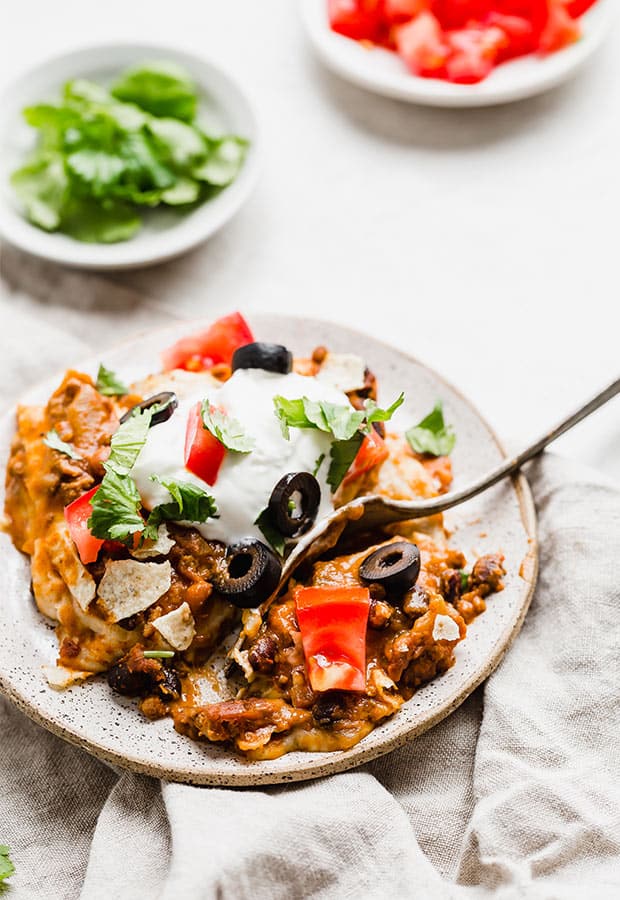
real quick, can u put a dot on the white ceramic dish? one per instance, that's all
(165, 233)
(385, 73)
(112, 728)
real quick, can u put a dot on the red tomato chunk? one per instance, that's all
(204, 454)
(460, 40)
(333, 623)
(77, 515)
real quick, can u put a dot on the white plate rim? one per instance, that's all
(512, 81)
(174, 241)
(233, 770)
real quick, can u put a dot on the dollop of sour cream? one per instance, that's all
(245, 480)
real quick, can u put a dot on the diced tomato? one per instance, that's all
(536, 12)
(397, 12)
(474, 53)
(576, 8)
(371, 452)
(77, 515)
(422, 46)
(560, 30)
(357, 19)
(333, 623)
(459, 13)
(519, 32)
(204, 454)
(208, 348)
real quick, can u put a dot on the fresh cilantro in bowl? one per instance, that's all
(104, 155)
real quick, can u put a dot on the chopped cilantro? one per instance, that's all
(464, 579)
(432, 435)
(270, 532)
(53, 440)
(104, 156)
(342, 454)
(128, 440)
(227, 430)
(109, 384)
(116, 509)
(189, 504)
(6, 866)
(116, 505)
(374, 413)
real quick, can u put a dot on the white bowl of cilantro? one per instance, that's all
(119, 156)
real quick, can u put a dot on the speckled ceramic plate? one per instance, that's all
(112, 728)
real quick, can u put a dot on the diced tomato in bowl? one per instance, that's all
(460, 41)
(361, 20)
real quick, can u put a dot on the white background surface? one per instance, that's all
(484, 242)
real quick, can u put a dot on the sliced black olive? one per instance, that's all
(252, 573)
(166, 402)
(294, 503)
(396, 566)
(270, 357)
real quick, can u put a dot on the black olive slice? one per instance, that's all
(270, 357)
(396, 566)
(166, 401)
(252, 573)
(294, 503)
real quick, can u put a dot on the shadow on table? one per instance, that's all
(449, 130)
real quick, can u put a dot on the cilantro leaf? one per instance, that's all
(223, 163)
(291, 414)
(464, 579)
(127, 442)
(109, 384)
(53, 440)
(189, 504)
(342, 454)
(179, 143)
(89, 221)
(340, 420)
(161, 88)
(226, 429)
(6, 866)
(116, 508)
(42, 187)
(184, 191)
(374, 413)
(432, 435)
(270, 531)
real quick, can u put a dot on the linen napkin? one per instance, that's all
(516, 794)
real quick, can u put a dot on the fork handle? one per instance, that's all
(512, 465)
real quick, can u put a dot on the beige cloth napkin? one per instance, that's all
(515, 795)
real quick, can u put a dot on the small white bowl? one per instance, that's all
(165, 233)
(385, 73)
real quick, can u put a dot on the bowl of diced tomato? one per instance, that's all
(457, 52)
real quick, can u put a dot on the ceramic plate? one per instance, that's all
(166, 233)
(112, 728)
(385, 73)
